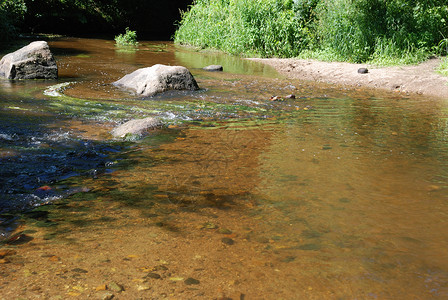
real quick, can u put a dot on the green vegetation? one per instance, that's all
(11, 12)
(443, 68)
(266, 28)
(379, 31)
(127, 39)
(151, 19)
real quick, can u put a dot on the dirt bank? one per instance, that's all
(419, 79)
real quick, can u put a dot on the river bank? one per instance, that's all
(419, 79)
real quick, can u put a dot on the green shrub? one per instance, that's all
(127, 39)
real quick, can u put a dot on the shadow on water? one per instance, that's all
(61, 51)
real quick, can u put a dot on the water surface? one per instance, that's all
(337, 194)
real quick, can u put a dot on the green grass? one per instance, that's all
(254, 28)
(443, 68)
(376, 31)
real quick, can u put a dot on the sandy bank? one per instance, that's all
(419, 79)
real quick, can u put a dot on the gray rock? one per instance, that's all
(150, 81)
(213, 68)
(34, 61)
(363, 71)
(137, 127)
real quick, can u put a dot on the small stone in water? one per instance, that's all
(79, 270)
(190, 281)
(160, 268)
(225, 231)
(292, 96)
(153, 275)
(209, 225)
(289, 259)
(107, 296)
(213, 68)
(102, 287)
(115, 287)
(228, 241)
(143, 288)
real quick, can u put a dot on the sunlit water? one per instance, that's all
(337, 194)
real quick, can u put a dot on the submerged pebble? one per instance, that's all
(107, 296)
(115, 287)
(153, 276)
(227, 241)
(190, 281)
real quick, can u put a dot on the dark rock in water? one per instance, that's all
(34, 61)
(18, 239)
(190, 281)
(228, 241)
(153, 276)
(158, 79)
(363, 71)
(79, 270)
(136, 127)
(214, 68)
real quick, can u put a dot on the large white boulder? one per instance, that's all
(34, 61)
(150, 81)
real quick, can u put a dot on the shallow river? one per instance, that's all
(337, 194)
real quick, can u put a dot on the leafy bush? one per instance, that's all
(127, 39)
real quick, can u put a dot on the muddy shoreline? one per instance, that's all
(421, 79)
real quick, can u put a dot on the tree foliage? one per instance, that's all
(11, 13)
(90, 17)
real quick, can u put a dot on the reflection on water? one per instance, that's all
(333, 195)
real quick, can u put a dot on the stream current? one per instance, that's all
(336, 194)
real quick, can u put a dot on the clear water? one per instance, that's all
(337, 194)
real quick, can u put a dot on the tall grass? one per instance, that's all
(443, 68)
(252, 27)
(382, 31)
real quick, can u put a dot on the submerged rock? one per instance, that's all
(190, 281)
(213, 68)
(136, 127)
(158, 79)
(34, 61)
